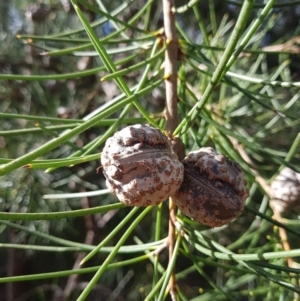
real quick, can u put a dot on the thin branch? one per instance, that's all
(170, 66)
(266, 187)
(171, 112)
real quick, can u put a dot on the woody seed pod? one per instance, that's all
(285, 191)
(214, 188)
(140, 167)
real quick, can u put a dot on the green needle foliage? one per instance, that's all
(71, 75)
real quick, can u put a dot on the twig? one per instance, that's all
(266, 187)
(170, 66)
(290, 46)
(171, 112)
(276, 213)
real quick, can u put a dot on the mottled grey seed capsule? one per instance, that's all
(140, 167)
(214, 189)
(285, 191)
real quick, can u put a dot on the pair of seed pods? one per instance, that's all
(142, 170)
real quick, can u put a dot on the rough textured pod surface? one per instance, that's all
(214, 189)
(285, 191)
(140, 167)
